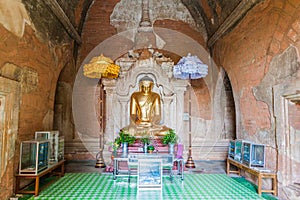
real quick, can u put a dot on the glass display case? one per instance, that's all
(231, 149)
(33, 156)
(149, 174)
(55, 147)
(246, 153)
(253, 154)
(258, 155)
(61, 148)
(235, 150)
(238, 150)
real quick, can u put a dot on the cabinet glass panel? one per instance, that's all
(231, 149)
(258, 155)
(56, 144)
(238, 150)
(246, 153)
(149, 174)
(34, 156)
(254, 154)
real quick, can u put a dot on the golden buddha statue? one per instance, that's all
(145, 111)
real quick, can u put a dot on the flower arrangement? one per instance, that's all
(123, 137)
(115, 146)
(145, 139)
(169, 138)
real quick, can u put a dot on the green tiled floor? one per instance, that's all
(102, 186)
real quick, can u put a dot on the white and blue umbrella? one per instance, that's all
(190, 67)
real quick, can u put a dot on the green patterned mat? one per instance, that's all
(102, 186)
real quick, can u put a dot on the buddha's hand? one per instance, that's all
(145, 124)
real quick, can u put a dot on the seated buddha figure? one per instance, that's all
(145, 111)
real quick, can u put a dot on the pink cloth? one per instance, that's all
(179, 151)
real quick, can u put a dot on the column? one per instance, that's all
(169, 116)
(124, 115)
(180, 87)
(110, 89)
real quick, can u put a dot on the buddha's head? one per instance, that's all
(146, 84)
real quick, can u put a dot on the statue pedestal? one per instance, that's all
(138, 147)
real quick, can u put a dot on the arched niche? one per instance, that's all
(118, 94)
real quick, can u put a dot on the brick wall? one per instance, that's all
(39, 66)
(97, 27)
(246, 54)
(255, 55)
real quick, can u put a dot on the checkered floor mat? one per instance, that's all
(102, 186)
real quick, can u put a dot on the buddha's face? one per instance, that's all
(146, 86)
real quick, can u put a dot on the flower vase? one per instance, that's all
(125, 148)
(150, 149)
(171, 148)
(145, 147)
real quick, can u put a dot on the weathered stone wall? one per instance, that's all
(260, 53)
(98, 26)
(35, 62)
(294, 115)
(9, 115)
(46, 23)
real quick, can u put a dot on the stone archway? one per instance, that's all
(84, 90)
(229, 128)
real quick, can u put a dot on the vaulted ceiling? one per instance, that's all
(215, 17)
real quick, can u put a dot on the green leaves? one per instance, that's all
(124, 136)
(145, 140)
(170, 137)
(151, 148)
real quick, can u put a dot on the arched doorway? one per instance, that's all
(229, 127)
